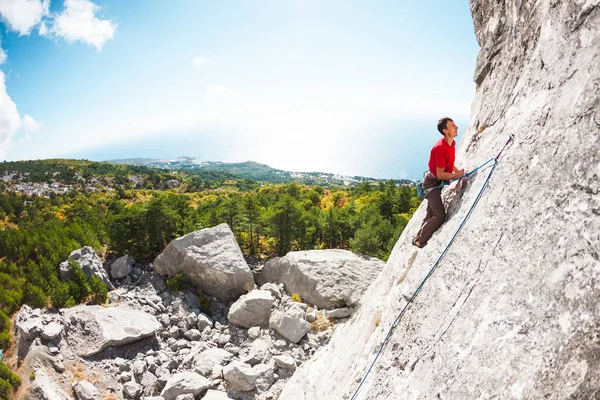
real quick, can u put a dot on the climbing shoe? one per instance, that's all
(418, 243)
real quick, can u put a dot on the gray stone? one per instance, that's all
(132, 390)
(325, 278)
(290, 324)
(121, 267)
(28, 323)
(94, 328)
(215, 395)
(193, 335)
(213, 261)
(254, 332)
(85, 390)
(203, 322)
(183, 383)
(338, 313)
(52, 331)
(273, 288)
(150, 383)
(252, 309)
(285, 362)
(163, 375)
(139, 366)
(204, 362)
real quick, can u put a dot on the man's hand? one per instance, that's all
(448, 176)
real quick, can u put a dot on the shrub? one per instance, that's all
(296, 297)
(5, 389)
(32, 375)
(98, 289)
(7, 375)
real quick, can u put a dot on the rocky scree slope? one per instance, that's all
(512, 310)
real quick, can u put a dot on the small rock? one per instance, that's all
(85, 390)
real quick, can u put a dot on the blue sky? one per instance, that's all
(285, 82)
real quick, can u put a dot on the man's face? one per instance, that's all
(451, 129)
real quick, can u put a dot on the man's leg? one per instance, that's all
(428, 215)
(434, 202)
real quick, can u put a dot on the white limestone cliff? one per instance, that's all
(512, 311)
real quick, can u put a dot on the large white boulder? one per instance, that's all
(252, 309)
(211, 259)
(92, 329)
(324, 278)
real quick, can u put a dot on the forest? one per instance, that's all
(37, 233)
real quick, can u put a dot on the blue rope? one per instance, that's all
(397, 320)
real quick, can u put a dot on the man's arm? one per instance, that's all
(448, 176)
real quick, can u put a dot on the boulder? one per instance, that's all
(121, 267)
(94, 328)
(90, 264)
(204, 362)
(203, 322)
(291, 324)
(241, 376)
(211, 259)
(215, 395)
(324, 278)
(338, 313)
(85, 390)
(52, 331)
(245, 378)
(183, 383)
(252, 309)
(132, 390)
(285, 362)
(28, 323)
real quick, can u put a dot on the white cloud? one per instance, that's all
(199, 61)
(2, 56)
(9, 116)
(30, 124)
(22, 15)
(220, 92)
(78, 22)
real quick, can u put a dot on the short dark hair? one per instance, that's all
(442, 124)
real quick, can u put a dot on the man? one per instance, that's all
(441, 168)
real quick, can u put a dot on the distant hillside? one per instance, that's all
(250, 170)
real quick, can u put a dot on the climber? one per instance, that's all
(441, 168)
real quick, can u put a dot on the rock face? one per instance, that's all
(94, 328)
(90, 264)
(212, 259)
(511, 311)
(325, 278)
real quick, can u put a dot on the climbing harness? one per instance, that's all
(397, 320)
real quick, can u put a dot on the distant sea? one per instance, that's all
(399, 150)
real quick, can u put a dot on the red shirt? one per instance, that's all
(442, 156)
